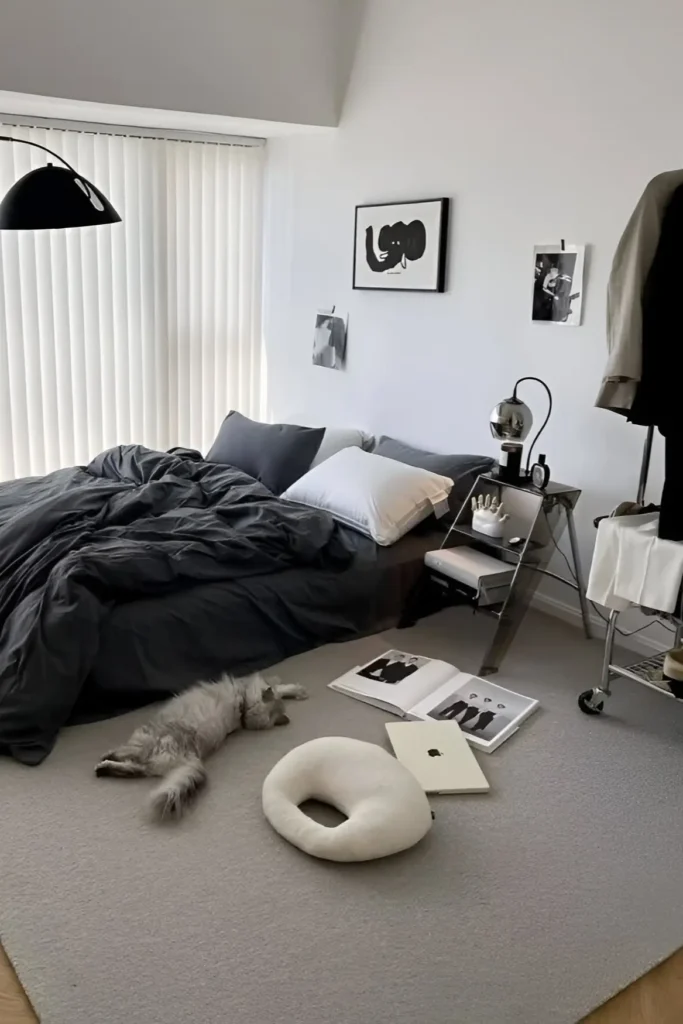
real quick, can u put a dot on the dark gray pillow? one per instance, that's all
(462, 469)
(277, 454)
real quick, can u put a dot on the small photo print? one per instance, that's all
(329, 340)
(393, 667)
(558, 284)
(480, 710)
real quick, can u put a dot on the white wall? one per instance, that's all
(280, 60)
(541, 123)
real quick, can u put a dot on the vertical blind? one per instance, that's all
(146, 331)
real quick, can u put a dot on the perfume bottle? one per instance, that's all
(540, 473)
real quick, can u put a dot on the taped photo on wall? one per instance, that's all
(558, 284)
(329, 339)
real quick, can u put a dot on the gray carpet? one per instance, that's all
(529, 905)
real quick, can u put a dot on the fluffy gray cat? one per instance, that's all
(193, 725)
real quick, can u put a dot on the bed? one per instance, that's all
(246, 625)
(129, 579)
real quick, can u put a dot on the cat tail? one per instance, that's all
(177, 790)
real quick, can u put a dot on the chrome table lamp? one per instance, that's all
(511, 422)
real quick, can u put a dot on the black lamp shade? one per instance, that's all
(54, 197)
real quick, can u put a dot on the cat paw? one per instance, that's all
(118, 769)
(291, 691)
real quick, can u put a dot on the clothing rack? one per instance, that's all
(645, 465)
(649, 671)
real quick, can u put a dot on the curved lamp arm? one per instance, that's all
(25, 142)
(545, 421)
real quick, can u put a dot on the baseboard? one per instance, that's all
(570, 613)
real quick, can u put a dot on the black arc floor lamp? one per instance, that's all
(53, 197)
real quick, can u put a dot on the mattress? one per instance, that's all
(150, 648)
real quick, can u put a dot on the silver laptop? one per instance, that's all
(438, 755)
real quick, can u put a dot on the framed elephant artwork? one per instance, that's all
(401, 246)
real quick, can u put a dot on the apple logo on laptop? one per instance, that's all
(434, 752)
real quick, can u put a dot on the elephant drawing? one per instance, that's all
(396, 244)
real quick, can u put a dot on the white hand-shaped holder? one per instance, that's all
(488, 516)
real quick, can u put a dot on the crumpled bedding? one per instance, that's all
(134, 524)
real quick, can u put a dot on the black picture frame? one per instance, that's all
(441, 243)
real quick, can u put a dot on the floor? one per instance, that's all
(14, 1006)
(656, 998)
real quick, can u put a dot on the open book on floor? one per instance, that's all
(425, 689)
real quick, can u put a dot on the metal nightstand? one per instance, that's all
(539, 517)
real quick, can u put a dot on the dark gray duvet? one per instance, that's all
(135, 529)
(154, 645)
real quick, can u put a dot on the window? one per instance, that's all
(146, 331)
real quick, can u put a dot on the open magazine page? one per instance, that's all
(395, 679)
(485, 712)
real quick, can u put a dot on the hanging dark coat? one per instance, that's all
(659, 399)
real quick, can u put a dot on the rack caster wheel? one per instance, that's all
(589, 703)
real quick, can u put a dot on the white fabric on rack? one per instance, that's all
(631, 565)
(146, 331)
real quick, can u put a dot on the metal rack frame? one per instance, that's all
(539, 516)
(592, 701)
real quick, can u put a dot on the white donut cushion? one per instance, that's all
(386, 808)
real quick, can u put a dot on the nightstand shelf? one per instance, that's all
(539, 518)
(500, 547)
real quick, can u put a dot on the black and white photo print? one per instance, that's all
(401, 246)
(329, 340)
(480, 710)
(558, 284)
(393, 667)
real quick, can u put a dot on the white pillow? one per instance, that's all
(376, 496)
(335, 439)
(385, 806)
